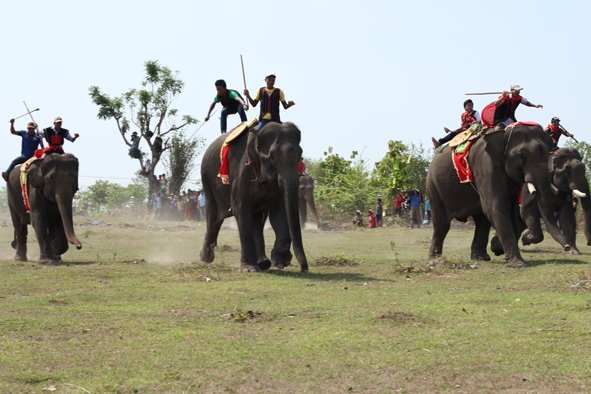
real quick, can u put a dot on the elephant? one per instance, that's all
(52, 183)
(567, 175)
(306, 197)
(501, 160)
(263, 181)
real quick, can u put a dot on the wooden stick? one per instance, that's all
(571, 135)
(26, 114)
(481, 93)
(243, 75)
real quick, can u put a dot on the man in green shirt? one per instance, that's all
(232, 103)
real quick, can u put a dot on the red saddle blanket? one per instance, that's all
(459, 157)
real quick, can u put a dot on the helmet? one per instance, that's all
(555, 119)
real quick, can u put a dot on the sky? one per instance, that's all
(360, 72)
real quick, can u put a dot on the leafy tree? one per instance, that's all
(343, 186)
(181, 159)
(402, 167)
(104, 194)
(148, 109)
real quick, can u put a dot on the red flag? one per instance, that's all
(488, 114)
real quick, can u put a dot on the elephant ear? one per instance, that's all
(251, 148)
(35, 175)
(263, 143)
(494, 145)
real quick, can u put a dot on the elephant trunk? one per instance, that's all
(289, 187)
(64, 205)
(545, 203)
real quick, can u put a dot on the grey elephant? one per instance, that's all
(306, 198)
(501, 162)
(264, 182)
(567, 174)
(52, 183)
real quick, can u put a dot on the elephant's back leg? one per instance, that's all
(213, 221)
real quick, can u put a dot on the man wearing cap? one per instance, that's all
(232, 103)
(556, 131)
(55, 138)
(29, 144)
(507, 103)
(270, 97)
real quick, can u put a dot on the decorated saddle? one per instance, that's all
(460, 145)
(24, 180)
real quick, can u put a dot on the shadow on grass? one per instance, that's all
(328, 277)
(66, 263)
(535, 263)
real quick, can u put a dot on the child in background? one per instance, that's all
(371, 218)
(358, 219)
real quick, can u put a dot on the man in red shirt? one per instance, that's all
(507, 103)
(555, 131)
(468, 117)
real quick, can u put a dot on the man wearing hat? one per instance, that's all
(55, 137)
(556, 131)
(29, 144)
(270, 97)
(507, 103)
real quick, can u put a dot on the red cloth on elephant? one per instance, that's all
(41, 152)
(461, 165)
(224, 165)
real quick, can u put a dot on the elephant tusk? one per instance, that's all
(554, 189)
(531, 188)
(579, 194)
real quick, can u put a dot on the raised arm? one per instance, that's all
(250, 99)
(12, 130)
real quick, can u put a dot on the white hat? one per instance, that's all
(270, 74)
(358, 211)
(516, 87)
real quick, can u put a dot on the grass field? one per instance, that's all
(135, 312)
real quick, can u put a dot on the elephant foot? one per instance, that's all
(207, 254)
(245, 267)
(304, 269)
(45, 260)
(20, 258)
(281, 259)
(573, 251)
(57, 258)
(515, 263)
(264, 264)
(496, 247)
(480, 256)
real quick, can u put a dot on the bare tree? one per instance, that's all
(148, 109)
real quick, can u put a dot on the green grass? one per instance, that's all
(134, 311)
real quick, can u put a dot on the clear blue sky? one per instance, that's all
(361, 72)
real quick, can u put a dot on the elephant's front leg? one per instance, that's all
(39, 222)
(503, 217)
(281, 254)
(244, 219)
(21, 242)
(258, 225)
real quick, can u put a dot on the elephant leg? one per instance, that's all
(213, 224)
(480, 240)
(312, 205)
(568, 225)
(244, 219)
(281, 254)
(440, 231)
(41, 231)
(20, 237)
(258, 225)
(498, 211)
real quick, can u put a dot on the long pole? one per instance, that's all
(243, 74)
(26, 113)
(36, 125)
(571, 135)
(481, 93)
